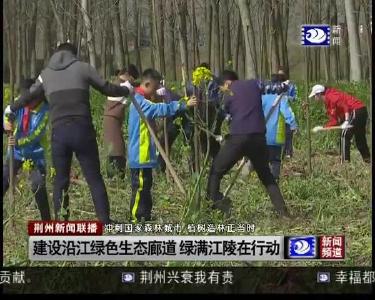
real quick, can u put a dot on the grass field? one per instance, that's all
(334, 199)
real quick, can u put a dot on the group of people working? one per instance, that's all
(259, 114)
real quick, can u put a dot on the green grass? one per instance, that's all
(334, 199)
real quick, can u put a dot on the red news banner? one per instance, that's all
(40, 228)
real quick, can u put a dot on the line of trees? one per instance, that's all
(252, 37)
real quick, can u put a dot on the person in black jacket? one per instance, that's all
(247, 138)
(66, 84)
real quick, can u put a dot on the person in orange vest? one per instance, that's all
(346, 110)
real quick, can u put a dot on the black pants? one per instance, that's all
(358, 118)
(188, 128)
(274, 153)
(288, 148)
(116, 166)
(77, 135)
(38, 186)
(213, 144)
(173, 130)
(141, 200)
(254, 147)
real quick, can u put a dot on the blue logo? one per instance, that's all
(323, 277)
(315, 35)
(128, 277)
(302, 247)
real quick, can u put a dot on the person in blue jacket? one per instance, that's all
(142, 154)
(281, 115)
(29, 129)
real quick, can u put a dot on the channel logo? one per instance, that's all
(323, 277)
(128, 277)
(301, 247)
(315, 35)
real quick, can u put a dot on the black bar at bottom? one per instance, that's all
(167, 280)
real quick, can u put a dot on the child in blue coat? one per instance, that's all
(275, 132)
(29, 129)
(142, 154)
(292, 96)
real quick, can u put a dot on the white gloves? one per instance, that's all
(219, 138)
(7, 110)
(129, 86)
(228, 117)
(161, 92)
(344, 125)
(317, 128)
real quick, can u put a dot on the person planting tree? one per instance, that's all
(348, 111)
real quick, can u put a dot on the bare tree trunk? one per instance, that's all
(285, 21)
(161, 35)
(368, 37)
(90, 38)
(246, 25)
(109, 50)
(356, 11)
(227, 39)
(73, 22)
(19, 46)
(9, 19)
(58, 18)
(327, 50)
(181, 7)
(117, 43)
(336, 53)
(264, 49)
(32, 38)
(354, 46)
(153, 54)
(237, 42)
(280, 33)
(137, 17)
(24, 64)
(345, 62)
(208, 9)
(47, 37)
(244, 68)
(215, 50)
(124, 28)
(274, 32)
(196, 43)
(103, 50)
(171, 40)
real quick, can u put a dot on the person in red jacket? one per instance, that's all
(346, 110)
